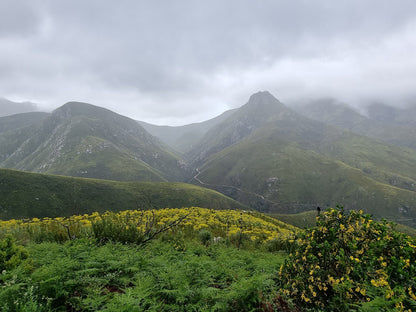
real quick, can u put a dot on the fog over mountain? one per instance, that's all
(10, 108)
(184, 61)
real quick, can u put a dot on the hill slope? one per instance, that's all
(274, 159)
(24, 195)
(83, 140)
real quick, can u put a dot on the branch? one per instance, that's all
(164, 229)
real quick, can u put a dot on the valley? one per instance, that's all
(265, 155)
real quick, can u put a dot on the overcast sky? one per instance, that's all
(175, 62)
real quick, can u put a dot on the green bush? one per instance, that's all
(348, 261)
(11, 255)
(205, 236)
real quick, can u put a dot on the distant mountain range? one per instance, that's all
(385, 123)
(263, 154)
(8, 107)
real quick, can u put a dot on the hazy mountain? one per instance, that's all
(387, 124)
(24, 195)
(80, 139)
(184, 138)
(405, 116)
(14, 122)
(10, 108)
(267, 155)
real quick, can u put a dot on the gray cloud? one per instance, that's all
(184, 61)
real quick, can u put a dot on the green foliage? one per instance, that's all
(348, 261)
(11, 255)
(128, 228)
(205, 236)
(83, 276)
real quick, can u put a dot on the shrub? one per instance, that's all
(348, 260)
(205, 236)
(11, 255)
(126, 227)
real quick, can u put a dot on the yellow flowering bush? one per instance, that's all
(349, 261)
(134, 226)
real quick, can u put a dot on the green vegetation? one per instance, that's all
(350, 262)
(24, 195)
(307, 219)
(347, 262)
(81, 276)
(104, 264)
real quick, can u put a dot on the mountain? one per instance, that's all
(184, 138)
(10, 108)
(384, 123)
(14, 122)
(24, 195)
(272, 158)
(261, 107)
(84, 140)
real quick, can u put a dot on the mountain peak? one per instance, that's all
(263, 103)
(262, 96)
(263, 99)
(73, 109)
(77, 108)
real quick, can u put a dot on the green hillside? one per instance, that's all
(83, 140)
(24, 194)
(283, 162)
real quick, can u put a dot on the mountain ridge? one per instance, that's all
(78, 138)
(263, 154)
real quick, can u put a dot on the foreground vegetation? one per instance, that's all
(81, 276)
(198, 259)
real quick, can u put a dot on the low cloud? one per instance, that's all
(185, 61)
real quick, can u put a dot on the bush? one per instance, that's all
(126, 227)
(205, 236)
(11, 255)
(349, 261)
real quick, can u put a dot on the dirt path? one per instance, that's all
(196, 177)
